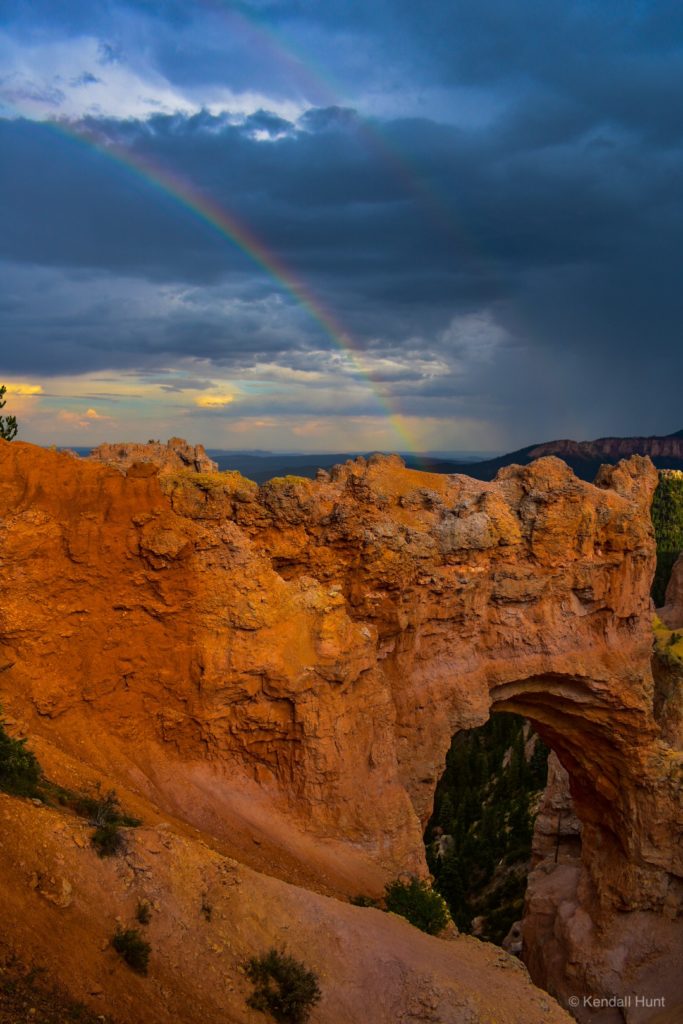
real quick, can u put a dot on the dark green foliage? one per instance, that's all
(108, 840)
(283, 987)
(8, 424)
(419, 904)
(104, 812)
(667, 519)
(143, 914)
(131, 946)
(19, 769)
(20, 775)
(485, 806)
(363, 901)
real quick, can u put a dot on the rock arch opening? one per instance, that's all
(480, 835)
(491, 796)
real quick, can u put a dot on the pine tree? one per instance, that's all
(8, 424)
(667, 519)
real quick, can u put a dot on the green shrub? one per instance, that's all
(19, 768)
(363, 901)
(143, 914)
(131, 946)
(104, 812)
(283, 987)
(107, 840)
(418, 903)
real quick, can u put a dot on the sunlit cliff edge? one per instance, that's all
(270, 678)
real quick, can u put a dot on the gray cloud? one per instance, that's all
(557, 221)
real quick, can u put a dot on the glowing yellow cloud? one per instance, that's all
(214, 401)
(24, 389)
(84, 419)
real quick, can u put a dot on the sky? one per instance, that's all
(341, 225)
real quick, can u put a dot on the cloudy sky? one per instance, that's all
(341, 225)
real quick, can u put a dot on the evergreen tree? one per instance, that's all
(667, 519)
(485, 807)
(8, 424)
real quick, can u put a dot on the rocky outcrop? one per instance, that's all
(606, 968)
(557, 830)
(672, 612)
(289, 663)
(171, 457)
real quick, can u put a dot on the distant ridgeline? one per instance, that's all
(667, 519)
(478, 839)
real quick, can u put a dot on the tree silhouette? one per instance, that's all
(8, 424)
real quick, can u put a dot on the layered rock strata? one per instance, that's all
(290, 662)
(613, 448)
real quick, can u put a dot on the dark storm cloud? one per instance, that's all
(572, 245)
(271, 124)
(560, 218)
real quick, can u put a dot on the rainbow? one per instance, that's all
(225, 223)
(319, 85)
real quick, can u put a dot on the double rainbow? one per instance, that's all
(226, 223)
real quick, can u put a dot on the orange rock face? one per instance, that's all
(672, 612)
(290, 662)
(175, 455)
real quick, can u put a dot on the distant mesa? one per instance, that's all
(176, 454)
(615, 447)
(583, 457)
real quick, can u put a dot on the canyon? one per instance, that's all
(271, 676)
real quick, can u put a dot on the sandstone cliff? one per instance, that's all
(288, 663)
(672, 612)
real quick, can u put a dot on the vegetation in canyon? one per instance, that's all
(667, 519)
(479, 836)
(132, 948)
(19, 769)
(283, 987)
(21, 775)
(668, 644)
(415, 900)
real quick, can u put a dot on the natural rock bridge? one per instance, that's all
(293, 660)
